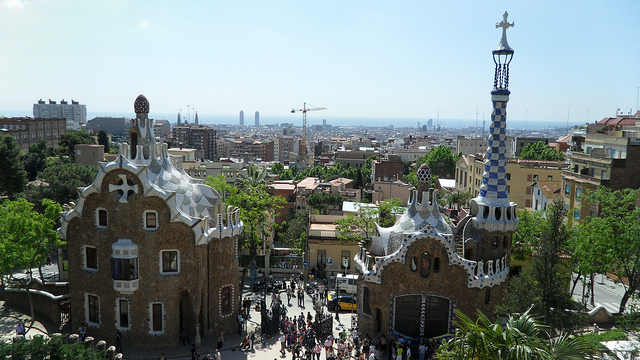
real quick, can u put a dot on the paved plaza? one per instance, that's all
(271, 350)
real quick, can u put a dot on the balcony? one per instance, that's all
(583, 179)
(126, 286)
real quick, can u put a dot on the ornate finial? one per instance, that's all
(504, 24)
(141, 105)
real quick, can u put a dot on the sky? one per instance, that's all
(576, 61)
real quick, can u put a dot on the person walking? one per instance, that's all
(20, 329)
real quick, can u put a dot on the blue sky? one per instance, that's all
(406, 59)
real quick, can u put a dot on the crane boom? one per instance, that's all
(303, 146)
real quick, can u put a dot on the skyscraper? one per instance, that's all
(241, 123)
(74, 113)
(257, 118)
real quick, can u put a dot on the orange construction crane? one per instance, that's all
(304, 109)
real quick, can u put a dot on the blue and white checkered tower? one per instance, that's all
(492, 208)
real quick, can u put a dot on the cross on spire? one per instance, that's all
(504, 24)
(124, 187)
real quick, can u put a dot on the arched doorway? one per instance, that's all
(417, 315)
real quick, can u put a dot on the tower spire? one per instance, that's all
(492, 208)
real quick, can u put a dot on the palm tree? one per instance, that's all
(254, 177)
(522, 337)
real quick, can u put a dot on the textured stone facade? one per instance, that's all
(151, 251)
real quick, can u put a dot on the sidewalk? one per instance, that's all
(9, 320)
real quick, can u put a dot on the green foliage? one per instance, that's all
(26, 236)
(13, 177)
(543, 283)
(35, 160)
(52, 348)
(103, 139)
(366, 170)
(324, 202)
(528, 235)
(277, 168)
(294, 231)
(521, 337)
(254, 178)
(387, 211)
(541, 151)
(72, 138)
(605, 241)
(63, 179)
(359, 226)
(256, 205)
(440, 160)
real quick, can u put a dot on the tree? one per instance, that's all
(103, 139)
(367, 168)
(13, 177)
(294, 231)
(359, 226)
(63, 181)
(387, 211)
(324, 202)
(256, 205)
(72, 138)
(36, 159)
(521, 337)
(541, 151)
(612, 238)
(26, 237)
(543, 283)
(277, 168)
(440, 160)
(254, 177)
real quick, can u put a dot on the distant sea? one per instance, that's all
(296, 120)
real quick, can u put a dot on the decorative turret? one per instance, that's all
(141, 132)
(492, 209)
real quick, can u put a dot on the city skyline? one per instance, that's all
(575, 61)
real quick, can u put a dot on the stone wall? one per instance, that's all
(44, 303)
(449, 282)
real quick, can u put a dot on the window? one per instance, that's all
(414, 263)
(321, 258)
(101, 218)
(90, 258)
(225, 300)
(604, 175)
(567, 189)
(92, 314)
(124, 269)
(436, 265)
(366, 307)
(535, 177)
(425, 264)
(549, 177)
(487, 296)
(122, 308)
(505, 241)
(150, 220)
(578, 192)
(528, 190)
(527, 203)
(508, 176)
(157, 317)
(170, 262)
(576, 214)
(529, 177)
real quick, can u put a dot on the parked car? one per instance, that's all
(342, 302)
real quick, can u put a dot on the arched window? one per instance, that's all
(425, 264)
(436, 265)
(414, 263)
